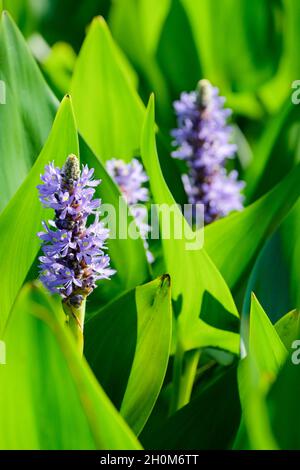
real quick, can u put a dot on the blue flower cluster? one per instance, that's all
(130, 178)
(73, 253)
(203, 140)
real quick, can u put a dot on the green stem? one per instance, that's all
(177, 370)
(184, 372)
(75, 322)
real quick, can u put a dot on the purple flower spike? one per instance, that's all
(73, 254)
(203, 140)
(130, 177)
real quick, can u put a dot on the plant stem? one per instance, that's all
(184, 372)
(75, 322)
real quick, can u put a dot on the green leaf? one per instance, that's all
(197, 286)
(30, 106)
(123, 337)
(248, 229)
(111, 127)
(153, 348)
(21, 219)
(205, 423)
(265, 345)
(256, 374)
(47, 390)
(288, 328)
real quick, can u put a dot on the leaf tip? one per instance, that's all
(165, 280)
(67, 101)
(99, 21)
(4, 13)
(151, 106)
(152, 99)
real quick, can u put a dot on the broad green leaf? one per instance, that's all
(21, 219)
(153, 348)
(207, 422)
(257, 372)
(123, 337)
(248, 229)
(49, 397)
(288, 328)
(265, 353)
(265, 345)
(197, 286)
(108, 110)
(29, 105)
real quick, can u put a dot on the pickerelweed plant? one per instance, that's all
(73, 252)
(203, 140)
